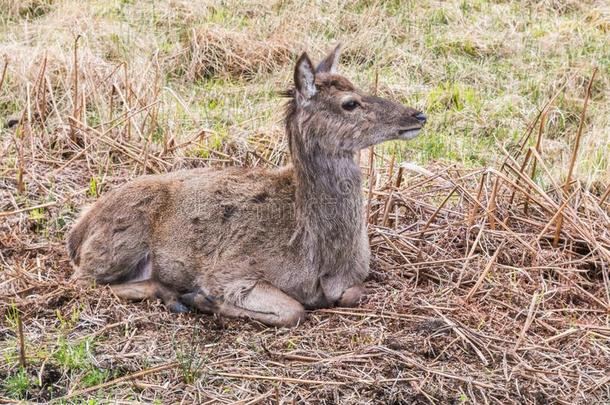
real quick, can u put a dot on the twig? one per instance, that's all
(274, 378)
(547, 105)
(488, 267)
(371, 161)
(473, 212)
(41, 105)
(492, 204)
(19, 211)
(75, 83)
(581, 124)
(561, 335)
(3, 76)
(119, 380)
(528, 320)
(603, 198)
(22, 362)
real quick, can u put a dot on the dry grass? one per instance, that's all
(220, 52)
(469, 300)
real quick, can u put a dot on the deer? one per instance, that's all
(258, 243)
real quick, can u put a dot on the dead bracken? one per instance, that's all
(468, 295)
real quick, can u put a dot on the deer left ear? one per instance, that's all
(331, 62)
(304, 77)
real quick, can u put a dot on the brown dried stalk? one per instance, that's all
(566, 185)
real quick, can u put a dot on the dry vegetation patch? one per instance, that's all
(217, 51)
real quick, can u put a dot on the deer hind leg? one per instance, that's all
(264, 303)
(149, 289)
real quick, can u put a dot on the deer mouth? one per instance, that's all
(407, 134)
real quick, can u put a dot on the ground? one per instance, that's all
(470, 298)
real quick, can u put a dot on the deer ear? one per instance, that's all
(330, 63)
(305, 77)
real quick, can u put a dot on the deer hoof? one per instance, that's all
(202, 302)
(178, 308)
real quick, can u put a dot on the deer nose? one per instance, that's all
(421, 117)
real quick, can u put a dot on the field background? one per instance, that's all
(94, 93)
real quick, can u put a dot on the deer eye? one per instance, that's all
(350, 105)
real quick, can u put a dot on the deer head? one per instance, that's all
(328, 115)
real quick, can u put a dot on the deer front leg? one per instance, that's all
(149, 289)
(352, 296)
(337, 293)
(264, 303)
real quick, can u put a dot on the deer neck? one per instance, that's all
(329, 209)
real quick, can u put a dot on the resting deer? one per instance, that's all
(241, 242)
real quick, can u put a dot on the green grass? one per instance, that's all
(72, 358)
(95, 377)
(480, 69)
(189, 356)
(17, 384)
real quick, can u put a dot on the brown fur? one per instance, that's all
(256, 243)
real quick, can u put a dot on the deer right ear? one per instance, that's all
(304, 78)
(330, 63)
